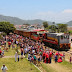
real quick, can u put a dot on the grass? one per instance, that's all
(21, 66)
(48, 68)
(67, 65)
(11, 51)
(25, 66)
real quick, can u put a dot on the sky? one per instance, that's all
(50, 10)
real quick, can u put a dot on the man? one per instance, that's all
(9, 43)
(16, 57)
(4, 68)
(0, 52)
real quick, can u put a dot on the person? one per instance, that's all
(56, 59)
(30, 59)
(0, 53)
(9, 44)
(3, 52)
(34, 58)
(60, 59)
(16, 57)
(29, 55)
(70, 59)
(21, 53)
(50, 56)
(39, 59)
(47, 57)
(64, 56)
(4, 68)
(43, 56)
(17, 43)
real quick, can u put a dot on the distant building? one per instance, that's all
(29, 27)
(69, 28)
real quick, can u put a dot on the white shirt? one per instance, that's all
(16, 42)
(28, 55)
(15, 54)
(4, 69)
(33, 51)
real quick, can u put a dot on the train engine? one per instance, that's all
(59, 41)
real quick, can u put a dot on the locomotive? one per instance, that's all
(59, 41)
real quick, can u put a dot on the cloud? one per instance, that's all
(67, 11)
(63, 16)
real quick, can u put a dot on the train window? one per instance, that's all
(65, 36)
(68, 37)
(40, 35)
(61, 37)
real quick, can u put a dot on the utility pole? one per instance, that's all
(53, 26)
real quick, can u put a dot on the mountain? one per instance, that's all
(69, 23)
(13, 20)
(18, 21)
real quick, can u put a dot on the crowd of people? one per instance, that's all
(34, 51)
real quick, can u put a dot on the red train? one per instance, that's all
(31, 34)
(59, 41)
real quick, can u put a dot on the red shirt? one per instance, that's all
(47, 56)
(38, 46)
(21, 49)
(44, 54)
(12, 40)
(50, 55)
(9, 43)
(0, 51)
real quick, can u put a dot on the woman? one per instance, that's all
(38, 59)
(34, 58)
(70, 60)
(56, 59)
(21, 53)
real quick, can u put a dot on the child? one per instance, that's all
(18, 57)
(3, 52)
(30, 59)
(70, 60)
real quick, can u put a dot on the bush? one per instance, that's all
(70, 31)
(1, 36)
(4, 34)
(16, 49)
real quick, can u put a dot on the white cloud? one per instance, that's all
(67, 11)
(63, 16)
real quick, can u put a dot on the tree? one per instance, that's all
(26, 24)
(62, 27)
(52, 28)
(6, 27)
(45, 24)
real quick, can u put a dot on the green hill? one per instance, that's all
(18, 21)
